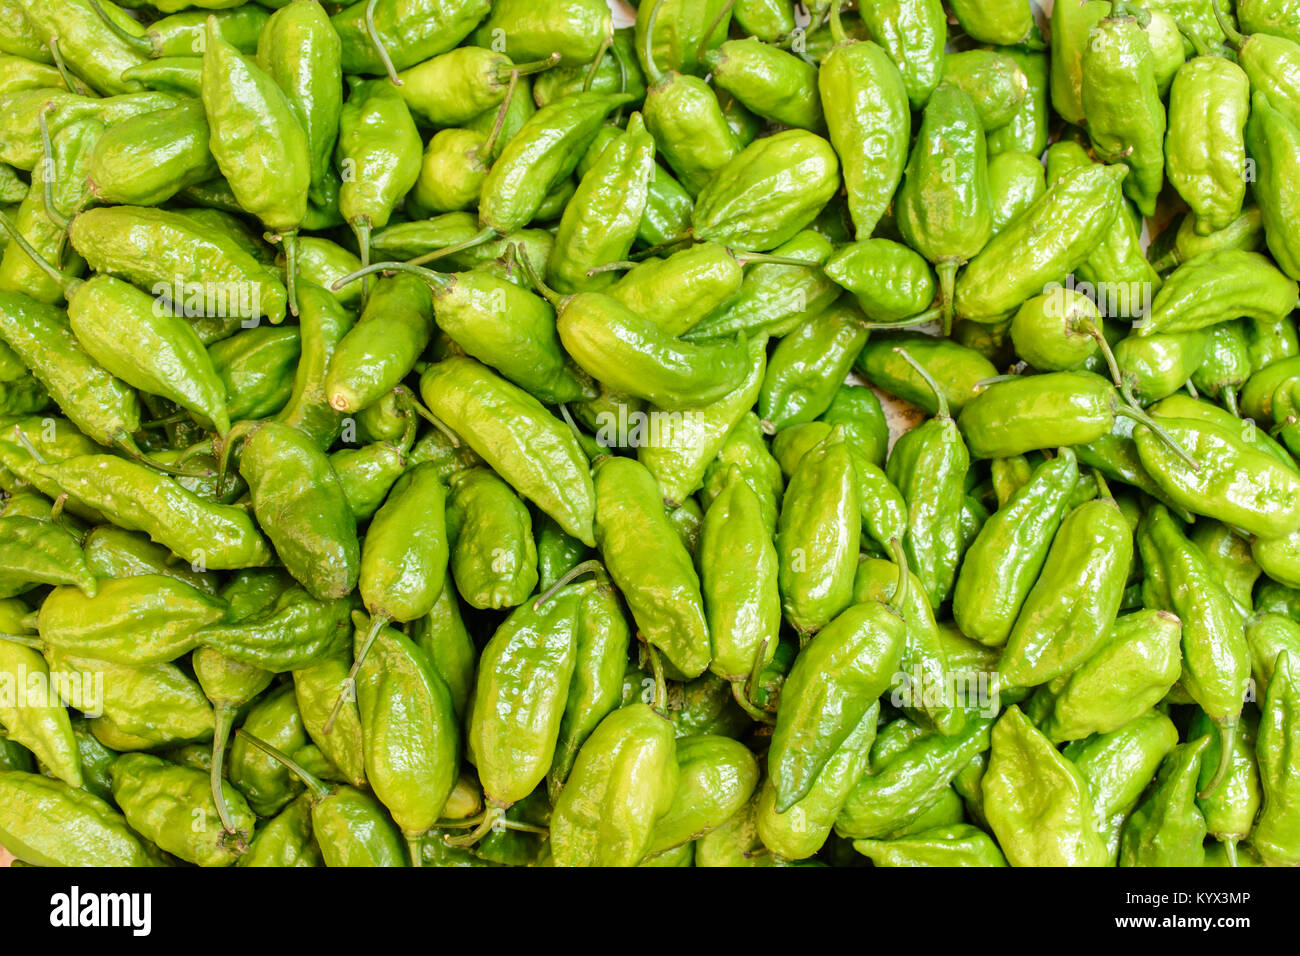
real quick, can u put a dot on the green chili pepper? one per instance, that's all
(995, 83)
(1167, 828)
(866, 100)
(285, 840)
(49, 823)
(664, 597)
(149, 158)
(928, 465)
(301, 506)
(1006, 557)
(258, 143)
(623, 782)
(42, 726)
(1206, 291)
(1015, 182)
(1037, 802)
(1275, 836)
(1049, 239)
(776, 85)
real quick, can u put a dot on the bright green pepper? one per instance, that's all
(1276, 836)
(1167, 828)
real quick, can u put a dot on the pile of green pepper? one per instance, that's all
(449, 433)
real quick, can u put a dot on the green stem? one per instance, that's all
(377, 623)
(139, 43)
(224, 447)
(557, 301)
(586, 567)
(224, 718)
(318, 789)
(28, 446)
(361, 229)
(1091, 328)
(435, 421)
(838, 35)
(763, 258)
(590, 78)
(653, 73)
(1134, 411)
(612, 267)
(373, 33)
(478, 239)
(485, 151)
(933, 315)
(1227, 740)
(126, 444)
(687, 236)
(528, 69)
(947, 270)
(940, 398)
(290, 242)
(35, 643)
(1229, 397)
(661, 685)
(1191, 389)
(414, 849)
(903, 590)
(1102, 487)
(702, 50)
(1230, 850)
(490, 818)
(436, 279)
(47, 172)
(66, 283)
(755, 713)
(1235, 39)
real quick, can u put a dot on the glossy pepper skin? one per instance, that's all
(818, 534)
(1126, 120)
(1276, 836)
(630, 522)
(929, 465)
(913, 32)
(944, 209)
(623, 781)
(409, 31)
(776, 85)
(1197, 294)
(1269, 136)
(1205, 150)
(299, 501)
(1001, 565)
(1048, 240)
(851, 661)
(865, 100)
(493, 554)
(1167, 828)
(1036, 801)
(532, 450)
(1073, 604)
(382, 348)
(49, 823)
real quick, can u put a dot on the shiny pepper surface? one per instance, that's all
(1271, 137)
(1167, 828)
(1036, 801)
(623, 781)
(514, 433)
(664, 596)
(410, 30)
(865, 101)
(48, 823)
(1205, 148)
(1046, 242)
(1277, 833)
(163, 801)
(913, 32)
(1076, 598)
(833, 683)
(299, 502)
(818, 534)
(1207, 290)
(1121, 101)
(1001, 565)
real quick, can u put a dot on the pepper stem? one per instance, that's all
(310, 781)
(703, 48)
(1235, 39)
(838, 35)
(373, 33)
(932, 315)
(590, 78)
(654, 74)
(35, 643)
(661, 684)
(740, 692)
(490, 818)
(413, 848)
(763, 258)
(903, 590)
(225, 715)
(1134, 411)
(1229, 397)
(586, 567)
(115, 28)
(361, 229)
(66, 283)
(223, 448)
(1230, 850)
(947, 270)
(940, 398)
(290, 242)
(557, 301)
(47, 172)
(528, 69)
(1102, 487)
(434, 420)
(687, 236)
(377, 623)
(1227, 739)
(428, 275)
(126, 444)
(612, 267)
(478, 239)
(490, 144)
